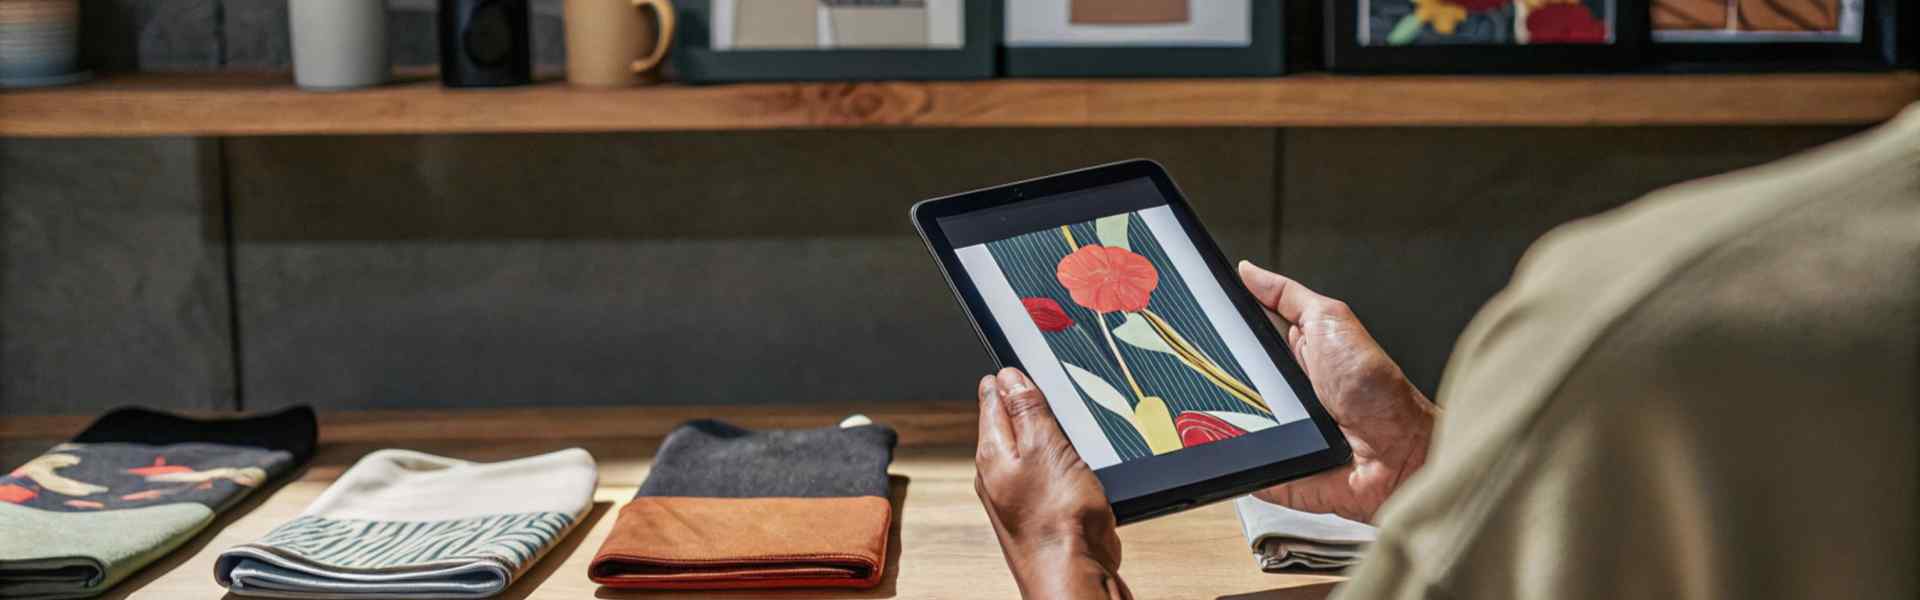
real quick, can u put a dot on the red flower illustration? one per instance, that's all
(1047, 314)
(1565, 24)
(1198, 428)
(1108, 279)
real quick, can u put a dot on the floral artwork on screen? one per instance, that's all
(1485, 22)
(1131, 336)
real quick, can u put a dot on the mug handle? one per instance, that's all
(663, 8)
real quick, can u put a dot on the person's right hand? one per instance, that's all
(1386, 420)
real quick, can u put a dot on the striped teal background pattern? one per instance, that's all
(358, 544)
(1030, 261)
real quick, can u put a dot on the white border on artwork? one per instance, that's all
(1043, 366)
(946, 26)
(1211, 23)
(1220, 312)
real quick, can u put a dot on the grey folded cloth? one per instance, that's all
(1283, 538)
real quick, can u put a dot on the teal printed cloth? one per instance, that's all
(402, 524)
(133, 487)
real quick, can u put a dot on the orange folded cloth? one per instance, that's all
(720, 543)
(728, 508)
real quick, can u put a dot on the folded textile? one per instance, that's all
(402, 524)
(725, 507)
(1283, 538)
(129, 489)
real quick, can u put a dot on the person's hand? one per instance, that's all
(1047, 508)
(1386, 420)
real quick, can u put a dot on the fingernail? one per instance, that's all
(1014, 381)
(988, 389)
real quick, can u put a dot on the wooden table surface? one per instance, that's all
(942, 546)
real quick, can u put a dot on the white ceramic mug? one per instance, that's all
(339, 44)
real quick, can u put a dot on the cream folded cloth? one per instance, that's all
(1283, 538)
(402, 524)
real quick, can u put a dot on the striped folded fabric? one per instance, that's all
(1285, 539)
(402, 524)
(132, 487)
(725, 508)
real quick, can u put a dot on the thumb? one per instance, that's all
(1034, 426)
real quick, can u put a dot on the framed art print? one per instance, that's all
(1522, 36)
(1750, 35)
(835, 40)
(1142, 38)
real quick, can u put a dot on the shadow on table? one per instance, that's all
(554, 558)
(1317, 591)
(896, 494)
(178, 556)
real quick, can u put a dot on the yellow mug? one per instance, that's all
(606, 40)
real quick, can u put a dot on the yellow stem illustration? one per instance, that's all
(1150, 414)
(1198, 360)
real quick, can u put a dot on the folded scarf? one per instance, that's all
(133, 486)
(402, 524)
(1283, 538)
(725, 507)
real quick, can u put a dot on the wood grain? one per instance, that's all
(944, 546)
(243, 104)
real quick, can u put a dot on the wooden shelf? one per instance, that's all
(268, 104)
(943, 546)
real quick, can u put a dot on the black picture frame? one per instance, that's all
(1880, 47)
(1266, 56)
(696, 62)
(1627, 52)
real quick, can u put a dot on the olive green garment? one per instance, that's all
(51, 555)
(1708, 394)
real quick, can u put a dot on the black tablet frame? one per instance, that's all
(1157, 485)
(1880, 48)
(1264, 57)
(1627, 52)
(697, 62)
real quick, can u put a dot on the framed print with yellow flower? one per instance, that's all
(1485, 35)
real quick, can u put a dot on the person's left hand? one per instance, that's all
(1047, 508)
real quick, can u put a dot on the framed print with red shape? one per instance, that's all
(1484, 35)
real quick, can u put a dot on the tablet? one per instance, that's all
(1163, 370)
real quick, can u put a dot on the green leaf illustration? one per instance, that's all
(1406, 31)
(1112, 231)
(1102, 393)
(1137, 332)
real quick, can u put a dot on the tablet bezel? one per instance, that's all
(1130, 486)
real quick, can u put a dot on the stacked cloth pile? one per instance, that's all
(1283, 538)
(129, 489)
(402, 524)
(724, 507)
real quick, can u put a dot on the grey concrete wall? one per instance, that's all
(154, 35)
(679, 268)
(112, 276)
(1416, 228)
(704, 267)
(256, 33)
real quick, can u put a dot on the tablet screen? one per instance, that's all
(1109, 305)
